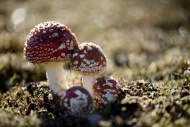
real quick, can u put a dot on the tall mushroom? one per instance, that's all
(89, 60)
(51, 43)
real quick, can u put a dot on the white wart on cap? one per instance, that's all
(106, 91)
(77, 101)
(89, 60)
(51, 43)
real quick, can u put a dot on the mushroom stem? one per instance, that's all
(88, 83)
(56, 78)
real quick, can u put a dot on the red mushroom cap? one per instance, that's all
(106, 90)
(77, 100)
(88, 59)
(49, 41)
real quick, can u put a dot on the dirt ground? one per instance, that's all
(147, 45)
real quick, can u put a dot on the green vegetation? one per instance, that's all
(147, 44)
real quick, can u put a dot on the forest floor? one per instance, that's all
(147, 44)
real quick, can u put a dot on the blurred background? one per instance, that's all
(142, 39)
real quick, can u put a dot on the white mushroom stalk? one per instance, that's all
(88, 82)
(56, 77)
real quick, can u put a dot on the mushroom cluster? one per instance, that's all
(52, 43)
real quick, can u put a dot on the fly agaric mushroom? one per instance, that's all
(106, 91)
(51, 43)
(89, 60)
(76, 101)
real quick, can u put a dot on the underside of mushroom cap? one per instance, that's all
(88, 59)
(49, 41)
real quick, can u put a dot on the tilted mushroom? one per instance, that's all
(106, 91)
(51, 43)
(89, 60)
(77, 101)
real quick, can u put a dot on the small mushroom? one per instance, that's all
(77, 101)
(89, 60)
(51, 43)
(106, 91)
